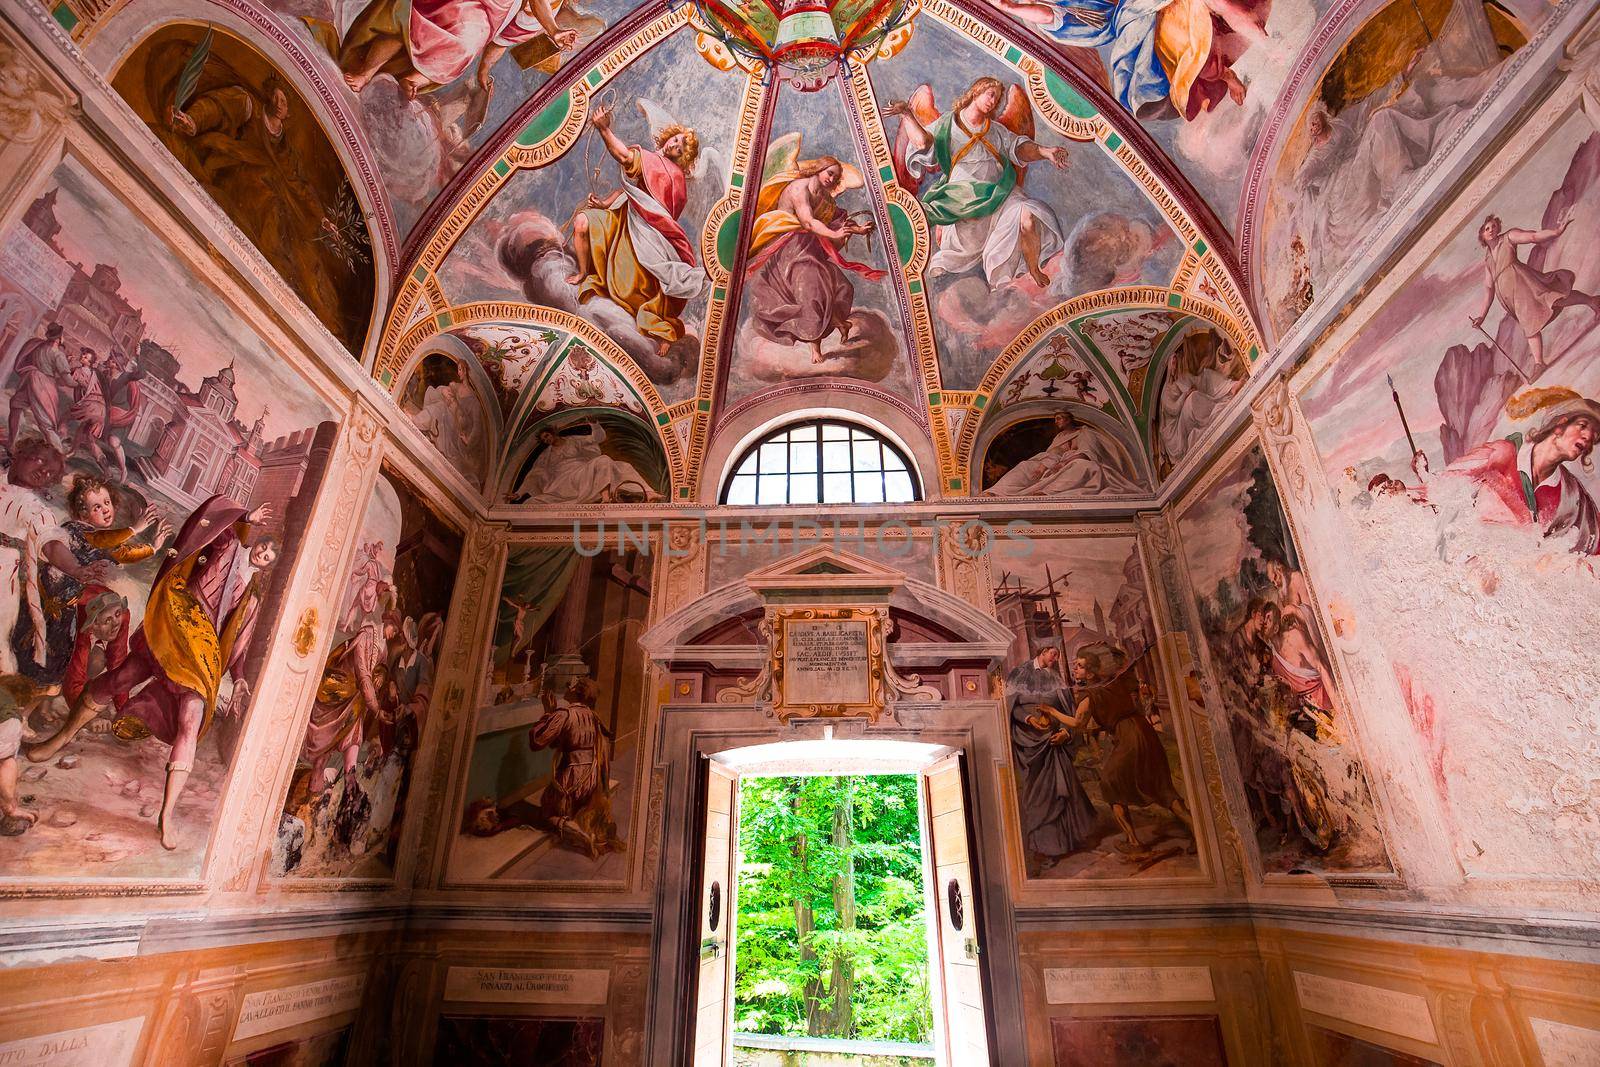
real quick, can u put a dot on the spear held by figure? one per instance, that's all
(1405, 424)
(1506, 355)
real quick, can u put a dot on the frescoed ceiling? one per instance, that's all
(727, 204)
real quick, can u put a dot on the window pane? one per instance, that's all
(835, 456)
(857, 466)
(742, 490)
(774, 489)
(836, 488)
(869, 488)
(773, 458)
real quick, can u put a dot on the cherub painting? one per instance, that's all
(976, 155)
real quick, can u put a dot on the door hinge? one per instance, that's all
(971, 947)
(710, 948)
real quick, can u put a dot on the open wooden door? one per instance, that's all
(955, 940)
(713, 1022)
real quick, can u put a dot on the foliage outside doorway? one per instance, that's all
(831, 927)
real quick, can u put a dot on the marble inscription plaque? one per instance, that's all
(826, 661)
(520, 985)
(106, 1045)
(267, 1010)
(1565, 1045)
(1389, 1010)
(1127, 985)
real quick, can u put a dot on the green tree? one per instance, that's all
(831, 936)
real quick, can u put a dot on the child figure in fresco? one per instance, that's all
(92, 546)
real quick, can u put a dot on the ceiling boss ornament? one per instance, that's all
(804, 41)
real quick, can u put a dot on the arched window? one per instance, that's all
(822, 461)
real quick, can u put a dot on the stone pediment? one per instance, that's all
(825, 572)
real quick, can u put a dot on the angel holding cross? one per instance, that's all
(979, 149)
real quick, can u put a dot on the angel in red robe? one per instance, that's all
(629, 245)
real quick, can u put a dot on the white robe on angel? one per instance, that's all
(990, 241)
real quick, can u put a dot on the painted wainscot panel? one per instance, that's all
(162, 465)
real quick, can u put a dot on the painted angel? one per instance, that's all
(979, 150)
(799, 287)
(629, 245)
(1165, 56)
(426, 45)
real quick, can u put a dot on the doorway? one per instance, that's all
(837, 908)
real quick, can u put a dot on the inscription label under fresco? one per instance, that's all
(826, 662)
(106, 1045)
(1565, 1045)
(521, 985)
(267, 1010)
(1126, 985)
(1390, 1010)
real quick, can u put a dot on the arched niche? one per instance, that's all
(1036, 421)
(616, 457)
(320, 172)
(449, 398)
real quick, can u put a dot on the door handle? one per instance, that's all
(971, 948)
(710, 948)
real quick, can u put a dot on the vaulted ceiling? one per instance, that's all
(546, 248)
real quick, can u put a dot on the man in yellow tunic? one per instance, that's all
(197, 628)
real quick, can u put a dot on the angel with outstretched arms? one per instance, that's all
(799, 285)
(980, 150)
(629, 245)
